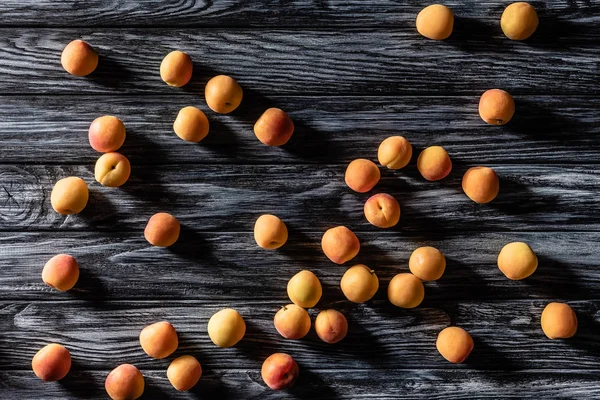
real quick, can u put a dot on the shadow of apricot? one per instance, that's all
(311, 386)
(556, 279)
(518, 198)
(90, 287)
(474, 35)
(79, 383)
(100, 211)
(485, 356)
(193, 246)
(587, 338)
(110, 72)
(459, 282)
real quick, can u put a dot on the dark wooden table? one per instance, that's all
(350, 73)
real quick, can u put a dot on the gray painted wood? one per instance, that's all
(307, 197)
(328, 384)
(384, 13)
(229, 266)
(328, 130)
(507, 334)
(278, 61)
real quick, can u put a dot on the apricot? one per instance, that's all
(69, 196)
(226, 328)
(435, 22)
(519, 21)
(61, 272)
(331, 326)
(292, 322)
(223, 94)
(279, 371)
(79, 58)
(125, 382)
(496, 107)
(51, 363)
(274, 127)
(481, 184)
(359, 283)
(184, 372)
(176, 68)
(454, 344)
(434, 163)
(270, 232)
(191, 124)
(362, 175)
(517, 261)
(340, 244)
(394, 152)
(112, 169)
(304, 289)
(406, 291)
(159, 340)
(106, 134)
(162, 230)
(427, 263)
(559, 321)
(382, 210)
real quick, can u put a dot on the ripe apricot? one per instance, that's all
(176, 68)
(184, 372)
(382, 210)
(406, 291)
(162, 230)
(191, 124)
(79, 58)
(519, 21)
(304, 289)
(292, 322)
(270, 232)
(106, 134)
(69, 195)
(340, 244)
(226, 328)
(394, 152)
(331, 326)
(125, 382)
(435, 22)
(362, 175)
(359, 283)
(496, 107)
(223, 94)
(434, 163)
(454, 344)
(274, 127)
(61, 272)
(427, 263)
(159, 340)
(559, 321)
(517, 261)
(51, 363)
(481, 184)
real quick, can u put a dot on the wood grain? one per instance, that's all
(507, 334)
(307, 197)
(230, 266)
(383, 13)
(327, 384)
(328, 130)
(278, 61)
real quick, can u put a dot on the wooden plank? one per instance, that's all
(306, 197)
(278, 61)
(546, 129)
(507, 334)
(317, 383)
(230, 266)
(383, 13)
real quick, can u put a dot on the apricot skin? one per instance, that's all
(434, 163)
(176, 68)
(226, 328)
(270, 232)
(331, 326)
(362, 175)
(61, 272)
(106, 134)
(454, 344)
(382, 210)
(159, 340)
(427, 263)
(125, 382)
(304, 289)
(274, 127)
(191, 124)
(519, 21)
(340, 244)
(223, 94)
(559, 321)
(496, 107)
(481, 184)
(162, 230)
(79, 58)
(435, 22)
(184, 372)
(112, 169)
(406, 291)
(279, 371)
(292, 322)
(51, 363)
(394, 152)
(359, 283)
(517, 261)
(69, 196)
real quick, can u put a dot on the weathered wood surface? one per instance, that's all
(507, 334)
(307, 197)
(37, 129)
(229, 266)
(284, 61)
(324, 384)
(383, 13)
